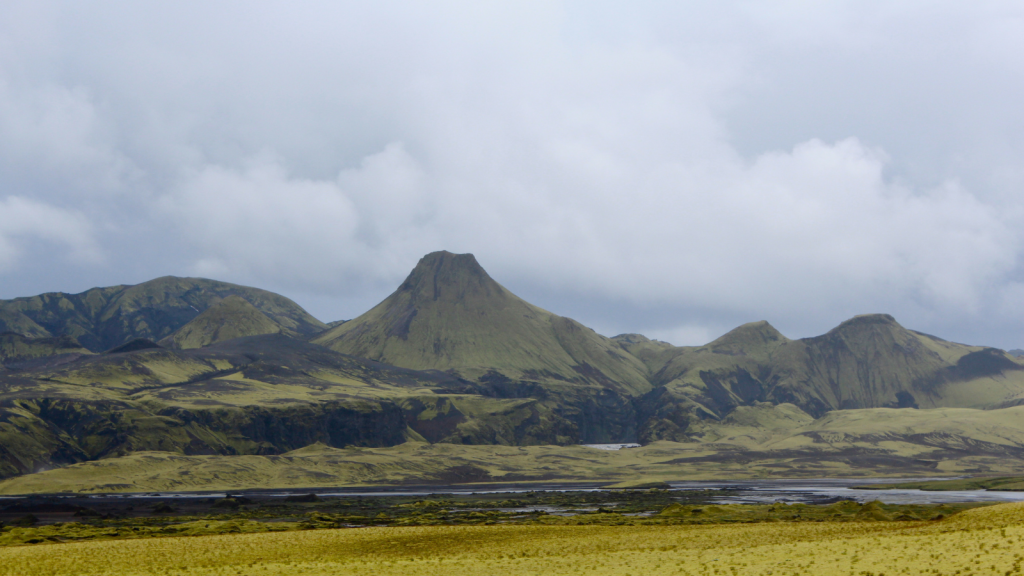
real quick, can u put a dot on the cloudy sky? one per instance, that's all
(674, 169)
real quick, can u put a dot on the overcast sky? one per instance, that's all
(674, 169)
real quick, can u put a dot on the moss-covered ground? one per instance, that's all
(65, 519)
(986, 540)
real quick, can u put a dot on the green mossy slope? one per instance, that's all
(869, 361)
(232, 317)
(103, 318)
(254, 395)
(16, 347)
(454, 357)
(450, 315)
(910, 443)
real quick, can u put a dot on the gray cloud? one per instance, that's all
(24, 221)
(673, 171)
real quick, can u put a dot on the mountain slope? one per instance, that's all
(759, 442)
(102, 318)
(232, 317)
(450, 357)
(450, 315)
(261, 394)
(16, 348)
(869, 361)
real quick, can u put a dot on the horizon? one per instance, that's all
(611, 336)
(668, 170)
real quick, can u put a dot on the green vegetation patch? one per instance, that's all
(52, 520)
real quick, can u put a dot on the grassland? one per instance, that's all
(75, 519)
(15, 347)
(420, 463)
(980, 541)
(756, 442)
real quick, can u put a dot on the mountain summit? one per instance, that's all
(449, 314)
(452, 277)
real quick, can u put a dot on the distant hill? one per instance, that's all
(16, 347)
(232, 317)
(450, 315)
(263, 394)
(103, 318)
(869, 361)
(196, 366)
(257, 395)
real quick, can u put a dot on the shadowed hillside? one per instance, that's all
(259, 395)
(256, 395)
(869, 361)
(103, 318)
(17, 348)
(759, 442)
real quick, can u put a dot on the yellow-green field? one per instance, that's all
(986, 540)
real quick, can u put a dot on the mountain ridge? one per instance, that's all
(449, 314)
(451, 356)
(102, 318)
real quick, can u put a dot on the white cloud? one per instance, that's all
(728, 160)
(24, 220)
(258, 221)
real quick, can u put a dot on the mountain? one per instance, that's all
(18, 323)
(232, 317)
(103, 318)
(201, 367)
(869, 361)
(450, 315)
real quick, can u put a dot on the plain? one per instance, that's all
(981, 541)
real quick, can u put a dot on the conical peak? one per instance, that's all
(444, 261)
(750, 334)
(231, 317)
(445, 275)
(867, 322)
(867, 330)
